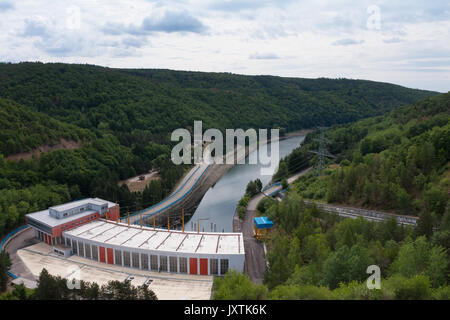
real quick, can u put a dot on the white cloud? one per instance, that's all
(264, 56)
(347, 42)
(288, 38)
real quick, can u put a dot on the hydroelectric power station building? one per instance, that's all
(83, 233)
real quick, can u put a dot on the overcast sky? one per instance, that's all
(399, 41)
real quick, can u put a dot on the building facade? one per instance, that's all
(158, 250)
(50, 224)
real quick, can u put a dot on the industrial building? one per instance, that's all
(76, 228)
(51, 223)
(159, 250)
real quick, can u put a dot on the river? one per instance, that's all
(216, 209)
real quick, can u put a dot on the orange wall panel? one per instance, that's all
(110, 255)
(102, 254)
(193, 266)
(204, 267)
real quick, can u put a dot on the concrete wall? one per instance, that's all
(104, 252)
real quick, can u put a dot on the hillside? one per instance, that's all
(125, 117)
(398, 162)
(23, 130)
(130, 102)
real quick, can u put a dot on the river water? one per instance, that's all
(216, 209)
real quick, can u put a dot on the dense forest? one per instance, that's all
(23, 129)
(139, 105)
(316, 255)
(51, 287)
(122, 119)
(397, 162)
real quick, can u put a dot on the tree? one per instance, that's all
(284, 184)
(5, 263)
(345, 265)
(424, 225)
(282, 172)
(437, 266)
(252, 189)
(417, 287)
(51, 288)
(237, 286)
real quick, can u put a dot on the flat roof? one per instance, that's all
(263, 222)
(77, 203)
(120, 234)
(45, 217)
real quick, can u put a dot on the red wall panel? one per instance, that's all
(110, 255)
(204, 267)
(102, 254)
(193, 265)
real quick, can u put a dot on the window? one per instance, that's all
(94, 253)
(223, 266)
(154, 263)
(135, 259)
(81, 248)
(173, 264)
(118, 255)
(87, 249)
(162, 263)
(183, 265)
(74, 247)
(126, 258)
(214, 266)
(144, 261)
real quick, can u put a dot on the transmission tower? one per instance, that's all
(322, 153)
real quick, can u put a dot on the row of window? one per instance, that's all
(68, 226)
(144, 261)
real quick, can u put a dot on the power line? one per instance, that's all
(322, 152)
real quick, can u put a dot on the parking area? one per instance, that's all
(166, 286)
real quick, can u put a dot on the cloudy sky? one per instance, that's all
(399, 41)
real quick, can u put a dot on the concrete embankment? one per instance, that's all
(190, 202)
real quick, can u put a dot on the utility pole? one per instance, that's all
(182, 218)
(322, 153)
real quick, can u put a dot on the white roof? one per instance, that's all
(111, 233)
(45, 217)
(75, 204)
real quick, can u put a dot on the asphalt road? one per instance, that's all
(24, 239)
(255, 261)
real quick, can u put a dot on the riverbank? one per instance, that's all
(210, 177)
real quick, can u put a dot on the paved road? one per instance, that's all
(255, 262)
(184, 188)
(23, 239)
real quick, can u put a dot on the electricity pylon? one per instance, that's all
(322, 152)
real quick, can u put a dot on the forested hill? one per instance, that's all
(124, 118)
(398, 161)
(158, 101)
(23, 130)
